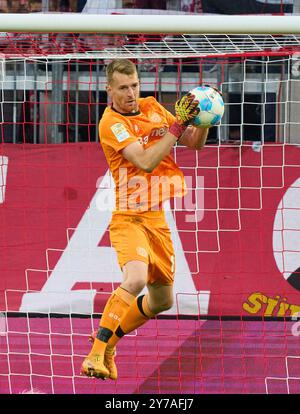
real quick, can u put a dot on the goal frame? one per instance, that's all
(175, 24)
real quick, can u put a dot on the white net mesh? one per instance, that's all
(105, 46)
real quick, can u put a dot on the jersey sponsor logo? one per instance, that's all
(144, 140)
(156, 132)
(120, 132)
(159, 132)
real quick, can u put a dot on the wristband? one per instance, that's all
(177, 130)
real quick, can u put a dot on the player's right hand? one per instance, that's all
(186, 109)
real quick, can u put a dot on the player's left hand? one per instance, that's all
(186, 109)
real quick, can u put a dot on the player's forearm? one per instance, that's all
(157, 152)
(194, 137)
(200, 135)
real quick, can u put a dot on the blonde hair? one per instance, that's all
(124, 66)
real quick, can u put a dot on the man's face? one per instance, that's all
(124, 90)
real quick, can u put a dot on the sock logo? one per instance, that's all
(114, 316)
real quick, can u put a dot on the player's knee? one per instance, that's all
(135, 276)
(166, 305)
(134, 285)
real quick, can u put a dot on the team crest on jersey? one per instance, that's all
(120, 132)
(155, 118)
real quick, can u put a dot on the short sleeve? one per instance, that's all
(116, 135)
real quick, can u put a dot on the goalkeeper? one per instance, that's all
(137, 136)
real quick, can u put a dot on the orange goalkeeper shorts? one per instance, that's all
(146, 237)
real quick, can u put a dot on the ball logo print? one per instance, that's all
(211, 106)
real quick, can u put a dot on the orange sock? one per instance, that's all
(116, 306)
(137, 314)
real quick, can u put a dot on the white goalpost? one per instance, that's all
(54, 184)
(176, 24)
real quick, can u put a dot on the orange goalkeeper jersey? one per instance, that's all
(137, 190)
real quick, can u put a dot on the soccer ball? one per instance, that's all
(211, 106)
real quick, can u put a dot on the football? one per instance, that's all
(211, 106)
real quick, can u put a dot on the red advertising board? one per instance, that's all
(242, 254)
